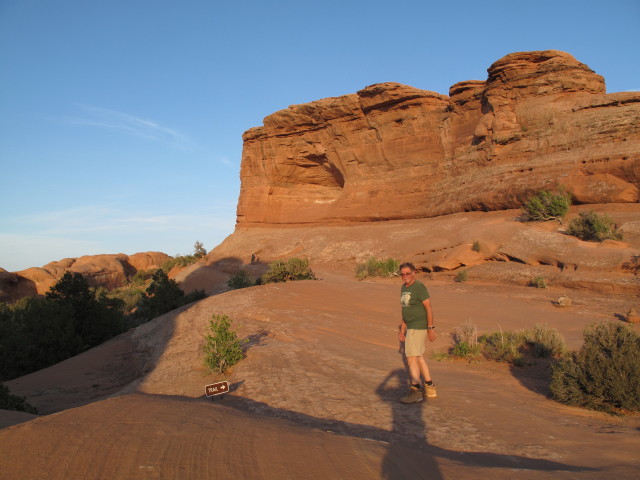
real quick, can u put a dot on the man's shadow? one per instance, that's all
(408, 433)
(410, 456)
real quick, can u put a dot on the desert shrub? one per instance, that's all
(162, 296)
(284, 271)
(465, 338)
(604, 374)
(13, 402)
(461, 276)
(547, 205)
(130, 296)
(240, 279)
(178, 260)
(593, 227)
(222, 347)
(141, 277)
(503, 346)
(377, 268)
(465, 350)
(538, 282)
(546, 341)
(199, 250)
(476, 246)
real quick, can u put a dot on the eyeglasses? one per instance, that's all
(406, 274)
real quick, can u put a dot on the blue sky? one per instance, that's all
(121, 121)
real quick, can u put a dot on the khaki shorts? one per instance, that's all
(414, 343)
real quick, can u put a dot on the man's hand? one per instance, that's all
(432, 335)
(401, 336)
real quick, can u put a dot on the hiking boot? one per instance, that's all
(415, 396)
(430, 391)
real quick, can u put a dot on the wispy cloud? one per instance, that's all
(103, 219)
(93, 116)
(96, 229)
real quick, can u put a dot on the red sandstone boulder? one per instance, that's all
(147, 260)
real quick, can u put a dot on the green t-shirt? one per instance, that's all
(413, 312)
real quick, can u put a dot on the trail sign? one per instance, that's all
(216, 389)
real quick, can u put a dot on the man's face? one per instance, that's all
(407, 276)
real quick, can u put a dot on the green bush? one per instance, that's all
(593, 227)
(510, 347)
(284, 271)
(13, 402)
(461, 276)
(604, 374)
(476, 246)
(547, 205)
(538, 282)
(162, 296)
(199, 250)
(377, 268)
(222, 347)
(465, 338)
(503, 346)
(240, 279)
(546, 341)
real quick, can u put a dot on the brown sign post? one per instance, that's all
(216, 389)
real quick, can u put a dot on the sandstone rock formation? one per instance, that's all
(109, 271)
(391, 151)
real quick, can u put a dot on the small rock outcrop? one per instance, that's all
(392, 152)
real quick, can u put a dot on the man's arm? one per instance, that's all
(402, 333)
(431, 333)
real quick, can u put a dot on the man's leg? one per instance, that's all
(415, 369)
(415, 391)
(423, 369)
(429, 387)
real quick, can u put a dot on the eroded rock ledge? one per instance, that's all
(391, 151)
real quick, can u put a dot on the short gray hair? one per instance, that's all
(408, 265)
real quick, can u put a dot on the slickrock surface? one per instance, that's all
(317, 395)
(392, 151)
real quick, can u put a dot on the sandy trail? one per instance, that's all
(317, 395)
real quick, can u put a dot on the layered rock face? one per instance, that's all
(390, 151)
(109, 271)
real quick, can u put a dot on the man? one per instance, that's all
(416, 327)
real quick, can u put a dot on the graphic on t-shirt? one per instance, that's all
(405, 298)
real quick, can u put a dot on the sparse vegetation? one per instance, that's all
(593, 227)
(284, 271)
(504, 347)
(604, 374)
(461, 276)
(546, 341)
(222, 347)
(13, 402)
(240, 279)
(546, 205)
(538, 282)
(185, 260)
(511, 347)
(476, 246)
(466, 345)
(377, 268)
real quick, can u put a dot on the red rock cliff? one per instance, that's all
(391, 151)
